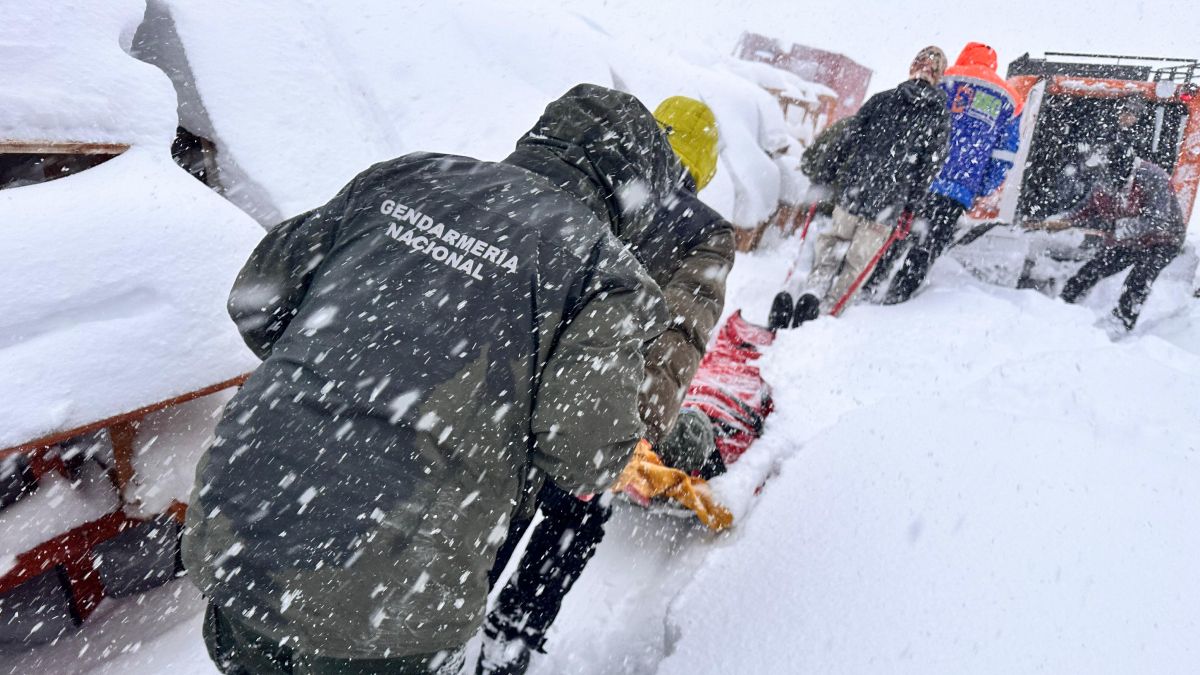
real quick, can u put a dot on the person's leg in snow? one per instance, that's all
(942, 214)
(829, 251)
(560, 547)
(1146, 269)
(1106, 263)
(867, 238)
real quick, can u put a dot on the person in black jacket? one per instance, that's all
(891, 152)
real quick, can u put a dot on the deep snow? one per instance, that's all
(980, 480)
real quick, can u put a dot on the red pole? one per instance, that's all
(899, 232)
(812, 210)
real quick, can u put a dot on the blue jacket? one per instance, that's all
(984, 135)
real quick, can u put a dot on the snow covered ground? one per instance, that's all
(979, 480)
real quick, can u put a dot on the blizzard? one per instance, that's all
(982, 479)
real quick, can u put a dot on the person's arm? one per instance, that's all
(931, 149)
(695, 298)
(585, 418)
(1003, 156)
(276, 278)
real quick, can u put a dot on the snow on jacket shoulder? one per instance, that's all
(985, 127)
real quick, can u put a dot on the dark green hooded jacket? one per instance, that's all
(442, 331)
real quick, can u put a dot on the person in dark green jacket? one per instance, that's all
(443, 334)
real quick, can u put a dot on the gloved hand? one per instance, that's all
(645, 478)
(904, 227)
(690, 443)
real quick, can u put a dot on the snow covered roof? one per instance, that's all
(776, 79)
(114, 278)
(67, 78)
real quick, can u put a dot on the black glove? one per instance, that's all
(690, 446)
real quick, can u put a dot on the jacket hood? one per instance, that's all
(920, 91)
(977, 54)
(604, 147)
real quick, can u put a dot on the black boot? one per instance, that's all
(504, 651)
(808, 307)
(781, 311)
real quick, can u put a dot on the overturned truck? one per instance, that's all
(1070, 122)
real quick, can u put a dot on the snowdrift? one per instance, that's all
(977, 481)
(301, 98)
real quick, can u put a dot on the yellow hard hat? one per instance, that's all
(691, 128)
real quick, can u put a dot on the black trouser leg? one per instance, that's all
(1106, 263)
(559, 549)
(516, 530)
(942, 213)
(1146, 268)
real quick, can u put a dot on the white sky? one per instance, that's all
(884, 35)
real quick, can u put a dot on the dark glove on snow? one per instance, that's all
(689, 446)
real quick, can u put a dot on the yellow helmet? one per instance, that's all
(691, 128)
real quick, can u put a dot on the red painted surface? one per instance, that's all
(840, 73)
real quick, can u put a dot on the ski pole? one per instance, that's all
(808, 218)
(899, 232)
(812, 211)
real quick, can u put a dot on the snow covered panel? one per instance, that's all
(67, 78)
(115, 283)
(788, 84)
(292, 115)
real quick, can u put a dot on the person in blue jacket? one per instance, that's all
(985, 132)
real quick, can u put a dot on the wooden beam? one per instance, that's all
(61, 148)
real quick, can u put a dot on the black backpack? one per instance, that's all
(823, 159)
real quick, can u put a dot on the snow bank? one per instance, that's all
(977, 480)
(66, 77)
(300, 98)
(114, 293)
(272, 85)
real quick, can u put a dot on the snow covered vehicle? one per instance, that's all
(1070, 119)
(114, 340)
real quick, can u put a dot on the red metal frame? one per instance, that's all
(73, 550)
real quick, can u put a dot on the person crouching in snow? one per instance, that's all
(893, 149)
(440, 331)
(1144, 230)
(985, 132)
(689, 255)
